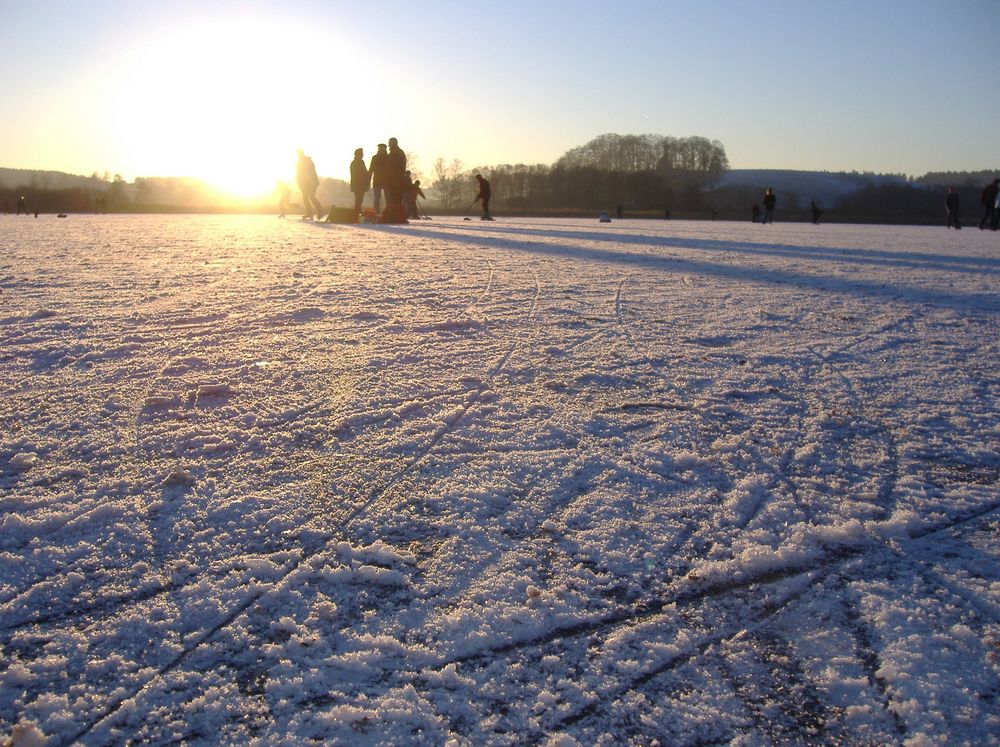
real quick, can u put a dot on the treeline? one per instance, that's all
(644, 172)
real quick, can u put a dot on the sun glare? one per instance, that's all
(231, 102)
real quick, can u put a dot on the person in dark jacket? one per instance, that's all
(360, 180)
(989, 201)
(308, 181)
(396, 181)
(378, 169)
(769, 202)
(484, 196)
(816, 212)
(951, 205)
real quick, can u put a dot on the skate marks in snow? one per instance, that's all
(624, 534)
(313, 555)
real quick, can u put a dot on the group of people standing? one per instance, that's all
(989, 199)
(386, 176)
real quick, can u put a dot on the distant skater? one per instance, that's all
(951, 207)
(484, 196)
(769, 202)
(284, 195)
(308, 181)
(22, 206)
(361, 180)
(619, 212)
(989, 201)
(816, 212)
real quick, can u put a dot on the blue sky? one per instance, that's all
(136, 88)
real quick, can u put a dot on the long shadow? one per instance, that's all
(981, 302)
(917, 260)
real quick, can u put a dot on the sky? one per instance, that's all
(228, 91)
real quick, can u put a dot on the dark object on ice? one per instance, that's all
(308, 181)
(484, 195)
(769, 202)
(755, 213)
(951, 207)
(61, 215)
(816, 212)
(619, 212)
(341, 215)
(604, 218)
(989, 202)
(666, 214)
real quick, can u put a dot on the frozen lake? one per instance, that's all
(525, 482)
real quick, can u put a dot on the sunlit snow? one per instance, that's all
(544, 482)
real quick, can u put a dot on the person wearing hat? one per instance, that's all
(361, 180)
(396, 181)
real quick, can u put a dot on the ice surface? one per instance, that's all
(533, 481)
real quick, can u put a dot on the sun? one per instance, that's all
(229, 102)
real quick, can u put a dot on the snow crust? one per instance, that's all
(534, 481)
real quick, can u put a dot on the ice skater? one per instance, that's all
(769, 202)
(284, 194)
(484, 196)
(951, 207)
(308, 181)
(989, 201)
(22, 206)
(816, 212)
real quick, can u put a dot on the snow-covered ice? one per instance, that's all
(544, 482)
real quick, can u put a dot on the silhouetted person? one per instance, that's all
(484, 196)
(413, 191)
(769, 202)
(816, 212)
(361, 180)
(378, 169)
(418, 192)
(666, 214)
(619, 212)
(755, 213)
(284, 194)
(308, 181)
(996, 214)
(951, 206)
(396, 181)
(989, 201)
(22, 206)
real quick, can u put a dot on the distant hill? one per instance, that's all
(825, 187)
